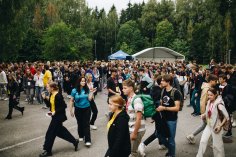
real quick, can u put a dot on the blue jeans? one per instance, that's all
(195, 101)
(38, 92)
(171, 140)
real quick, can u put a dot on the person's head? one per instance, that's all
(195, 69)
(158, 79)
(212, 94)
(126, 70)
(141, 71)
(116, 103)
(82, 84)
(52, 86)
(46, 67)
(128, 87)
(38, 71)
(113, 72)
(212, 79)
(11, 77)
(222, 78)
(89, 77)
(167, 80)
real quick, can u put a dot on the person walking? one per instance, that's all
(38, 78)
(215, 107)
(57, 105)
(14, 96)
(118, 129)
(80, 108)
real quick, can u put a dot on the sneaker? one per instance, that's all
(93, 127)
(34, 98)
(81, 139)
(45, 154)
(88, 144)
(191, 139)
(228, 135)
(161, 147)
(234, 124)
(5, 99)
(26, 100)
(141, 149)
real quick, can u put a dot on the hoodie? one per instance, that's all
(204, 97)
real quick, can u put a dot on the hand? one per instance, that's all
(43, 95)
(161, 108)
(217, 129)
(196, 94)
(72, 113)
(53, 113)
(203, 116)
(144, 89)
(133, 136)
(14, 97)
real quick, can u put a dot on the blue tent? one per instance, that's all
(119, 55)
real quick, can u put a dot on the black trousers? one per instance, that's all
(83, 118)
(56, 128)
(94, 110)
(13, 104)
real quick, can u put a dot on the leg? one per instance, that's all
(198, 104)
(192, 101)
(204, 140)
(200, 128)
(79, 118)
(94, 111)
(10, 107)
(218, 145)
(65, 134)
(171, 140)
(135, 144)
(151, 138)
(86, 125)
(51, 135)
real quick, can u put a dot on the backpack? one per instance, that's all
(149, 106)
(226, 125)
(172, 97)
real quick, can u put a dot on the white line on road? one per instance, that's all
(34, 139)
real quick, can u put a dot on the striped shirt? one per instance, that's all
(138, 107)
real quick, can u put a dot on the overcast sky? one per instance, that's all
(106, 4)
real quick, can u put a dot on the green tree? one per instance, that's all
(165, 34)
(126, 48)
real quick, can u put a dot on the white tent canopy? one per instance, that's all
(158, 54)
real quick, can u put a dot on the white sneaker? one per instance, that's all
(81, 139)
(34, 98)
(191, 139)
(88, 144)
(141, 149)
(234, 124)
(161, 147)
(26, 100)
(5, 99)
(93, 127)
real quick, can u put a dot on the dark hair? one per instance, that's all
(53, 85)
(168, 78)
(46, 67)
(223, 76)
(141, 69)
(159, 78)
(213, 90)
(78, 86)
(212, 77)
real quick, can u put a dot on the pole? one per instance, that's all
(229, 55)
(95, 49)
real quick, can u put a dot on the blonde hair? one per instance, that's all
(118, 100)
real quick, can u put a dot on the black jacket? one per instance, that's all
(60, 107)
(119, 137)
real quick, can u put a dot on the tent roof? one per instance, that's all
(158, 52)
(118, 55)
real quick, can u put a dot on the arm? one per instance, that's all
(149, 80)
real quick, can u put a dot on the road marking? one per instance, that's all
(34, 139)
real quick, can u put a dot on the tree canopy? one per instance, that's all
(57, 29)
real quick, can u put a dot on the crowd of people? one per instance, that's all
(211, 90)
